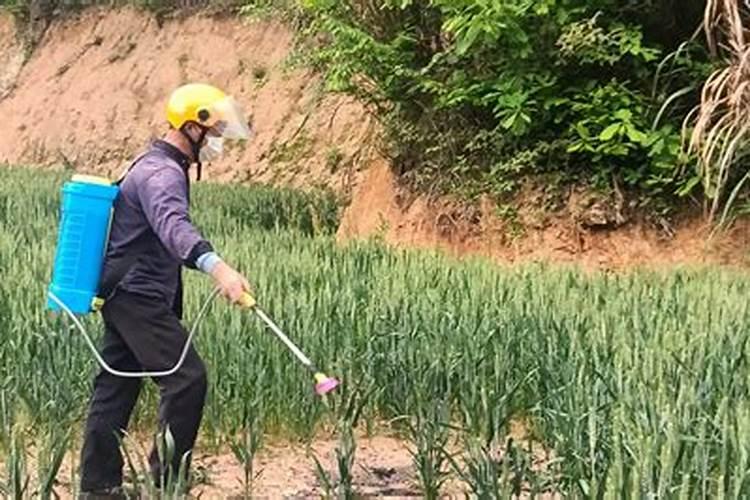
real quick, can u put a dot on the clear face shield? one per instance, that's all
(229, 122)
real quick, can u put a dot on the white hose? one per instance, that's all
(119, 373)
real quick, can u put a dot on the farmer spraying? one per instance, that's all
(151, 238)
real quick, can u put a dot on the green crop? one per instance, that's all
(635, 385)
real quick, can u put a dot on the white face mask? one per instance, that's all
(212, 149)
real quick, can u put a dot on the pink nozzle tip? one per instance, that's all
(326, 386)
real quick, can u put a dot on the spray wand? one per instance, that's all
(323, 383)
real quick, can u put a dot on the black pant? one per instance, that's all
(141, 334)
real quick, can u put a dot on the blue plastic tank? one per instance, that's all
(87, 203)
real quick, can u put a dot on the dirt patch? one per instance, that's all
(92, 95)
(382, 209)
(383, 468)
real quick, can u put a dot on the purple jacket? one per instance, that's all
(152, 236)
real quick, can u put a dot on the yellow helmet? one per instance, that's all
(209, 107)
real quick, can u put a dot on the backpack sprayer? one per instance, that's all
(87, 207)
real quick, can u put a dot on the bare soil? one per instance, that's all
(383, 209)
(383, 468)
(284, 469)
(93, 92)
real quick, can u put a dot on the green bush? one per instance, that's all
(465, 86)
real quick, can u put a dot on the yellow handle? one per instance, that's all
(248, 301)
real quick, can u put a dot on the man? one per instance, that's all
(151, 238)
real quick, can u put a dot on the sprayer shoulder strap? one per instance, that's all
(130, 167)
(124, 263)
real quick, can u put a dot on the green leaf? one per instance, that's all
(609, 132)
(465, 42)
(636, 135)
(508, 123)
(582, 130)
(688, 186)
(624, 115)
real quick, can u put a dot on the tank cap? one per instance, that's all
(91, 179)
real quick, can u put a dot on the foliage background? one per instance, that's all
(479, 96)
(491, 92)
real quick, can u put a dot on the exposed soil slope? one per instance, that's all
(93, 93)
(381, 208)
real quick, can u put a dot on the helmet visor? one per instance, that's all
(230, 119)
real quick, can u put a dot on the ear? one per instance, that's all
(192, 129)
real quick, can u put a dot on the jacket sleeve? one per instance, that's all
(164, 200)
